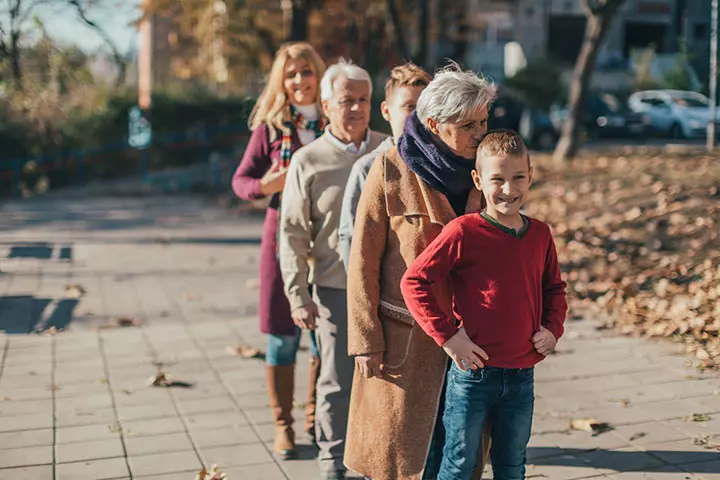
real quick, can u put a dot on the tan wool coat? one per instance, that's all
(392, 418)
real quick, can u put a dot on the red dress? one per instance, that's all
(259, 156)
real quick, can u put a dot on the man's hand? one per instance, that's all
(464, 352)
(370, 365)
(544, 341)
(304, 317)
(273, 181)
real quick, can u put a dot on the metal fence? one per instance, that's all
(117, 159)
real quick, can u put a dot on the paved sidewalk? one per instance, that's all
(76, 406)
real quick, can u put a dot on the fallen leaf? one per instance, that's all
(127, 322)
(243, 351)
(698, 417)
(192, 297)
(75, 290)
(590, 425)
(50, 331)
(252, 283)
(126, 391)
(638, 436)
(707, 441)
(115, 428)
(624, 402)
(162, 379)
(212, 474)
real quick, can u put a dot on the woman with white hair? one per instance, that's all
(310, 249)
(410, 194)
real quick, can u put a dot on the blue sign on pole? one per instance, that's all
(139, 129)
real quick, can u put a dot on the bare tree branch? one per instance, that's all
(119, 60)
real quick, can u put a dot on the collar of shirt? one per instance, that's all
(350, 147)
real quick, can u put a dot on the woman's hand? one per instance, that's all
(304, 317)
(370, 365)
(273, 181)
(464, 352)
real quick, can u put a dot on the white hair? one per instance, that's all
(344, 69)
(454, 94)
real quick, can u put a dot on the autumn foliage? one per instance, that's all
(637, 236)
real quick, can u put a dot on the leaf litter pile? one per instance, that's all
(637, 237)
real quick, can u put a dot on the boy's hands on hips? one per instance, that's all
(544, 341)
(370, 365)
(464, 352)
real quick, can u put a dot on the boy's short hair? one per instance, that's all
(501, 142)
(407, 75)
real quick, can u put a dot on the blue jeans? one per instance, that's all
(503, 395)
(282, 349)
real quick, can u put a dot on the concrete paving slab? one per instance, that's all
(109, 469)
(171, 263)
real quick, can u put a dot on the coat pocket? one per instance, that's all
(398, 329)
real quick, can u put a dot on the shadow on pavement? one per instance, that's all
(39, 250)
(25, 314)
(623, 460)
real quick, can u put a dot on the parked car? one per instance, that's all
(606, 116)
(510, 111)
(677, 113)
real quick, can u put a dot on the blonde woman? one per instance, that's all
(287, 116)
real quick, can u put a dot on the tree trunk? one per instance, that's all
(17, 73)
(423, 30)
(394, 23)
(299, 23)
(595, 31)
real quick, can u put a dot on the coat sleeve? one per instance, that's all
(554, 301)
(254, 164)
(434, 264)
(295, 235)
(365, 332)
(351, 197)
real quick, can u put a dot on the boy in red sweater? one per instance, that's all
(508, 312)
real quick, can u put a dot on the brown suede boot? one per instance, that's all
(280, 386)
(312, 399)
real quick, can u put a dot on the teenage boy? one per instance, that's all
(402, 91)
(508, 312)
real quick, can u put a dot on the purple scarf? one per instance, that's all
(435, 163)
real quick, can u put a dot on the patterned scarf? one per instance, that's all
(300, 123)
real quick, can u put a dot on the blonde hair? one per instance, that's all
(506, 143)
(273, 106)
(407, 75)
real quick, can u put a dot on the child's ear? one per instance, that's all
(477, 180)
(530, 175)
(385, 110)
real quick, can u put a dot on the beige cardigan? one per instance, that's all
(310, 215)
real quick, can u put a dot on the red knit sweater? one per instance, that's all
(505, 286)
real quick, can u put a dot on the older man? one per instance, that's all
(309, 250)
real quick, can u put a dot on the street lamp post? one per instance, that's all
(713, 76)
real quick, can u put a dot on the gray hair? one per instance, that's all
(454, 94)
(345, 69)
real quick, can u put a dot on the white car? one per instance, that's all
(678, 113)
